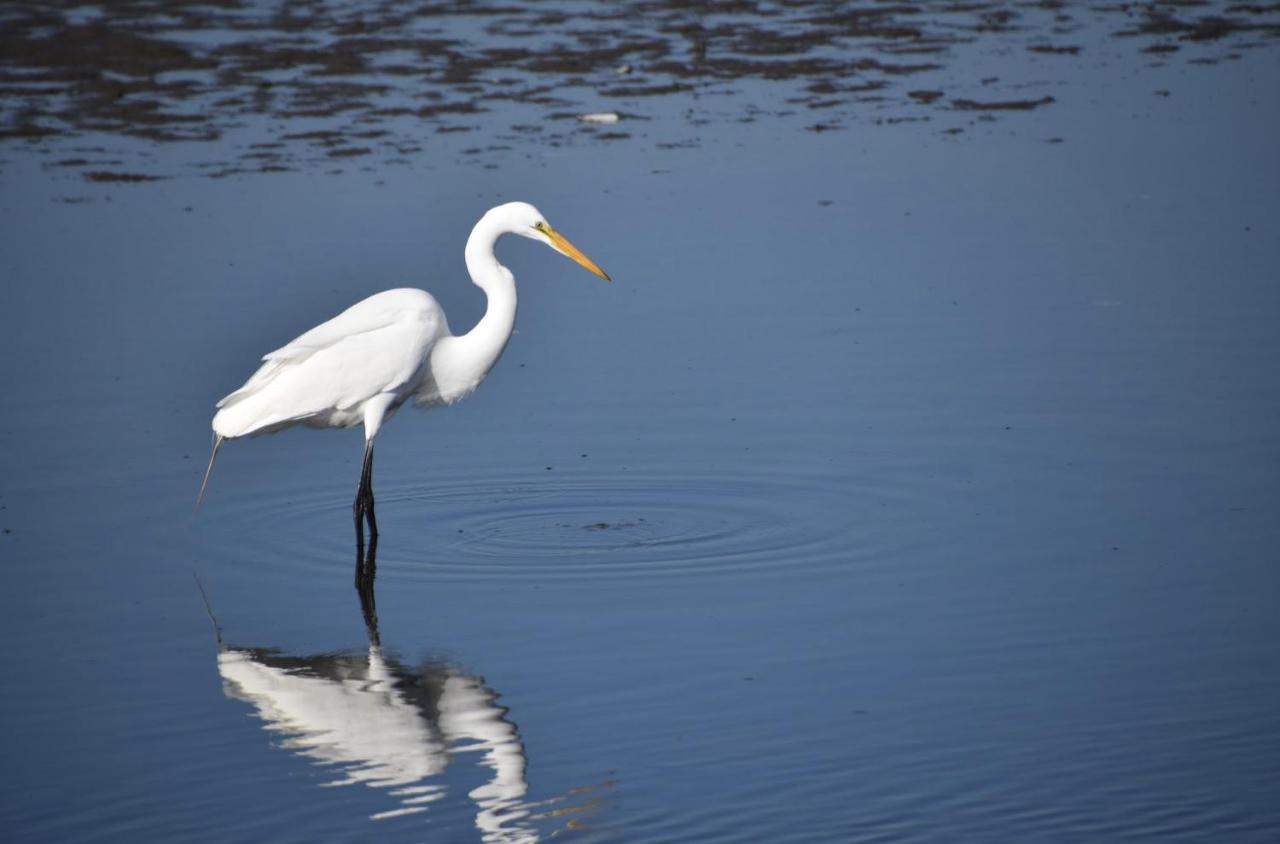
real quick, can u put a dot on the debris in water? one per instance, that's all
(106, 176)
(1006, 105)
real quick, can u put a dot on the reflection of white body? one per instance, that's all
(389, 728)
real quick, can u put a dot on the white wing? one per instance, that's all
(378, 345)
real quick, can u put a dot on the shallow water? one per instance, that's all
(906, 485)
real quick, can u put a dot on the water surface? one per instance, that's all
(906, 485)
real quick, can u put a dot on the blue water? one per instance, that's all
(904, 485)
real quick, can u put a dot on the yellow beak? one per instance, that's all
(562, 245)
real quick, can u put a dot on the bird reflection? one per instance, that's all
(377, 721)
(366, 574)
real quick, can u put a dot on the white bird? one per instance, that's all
(362, 365)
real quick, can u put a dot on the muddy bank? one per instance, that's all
(373, 79)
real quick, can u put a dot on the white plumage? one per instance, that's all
(362, 365)
(326, 377)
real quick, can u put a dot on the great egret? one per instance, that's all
(360, 366)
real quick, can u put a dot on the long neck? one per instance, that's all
(471, 355)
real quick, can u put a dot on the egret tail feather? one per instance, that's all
(217, 444)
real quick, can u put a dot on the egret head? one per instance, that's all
(523, 219)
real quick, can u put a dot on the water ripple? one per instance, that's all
(596, 524)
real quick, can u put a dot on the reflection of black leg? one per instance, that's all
(366, 572)
(363, 506)
(366, 563)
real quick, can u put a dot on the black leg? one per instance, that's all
(363, 506)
